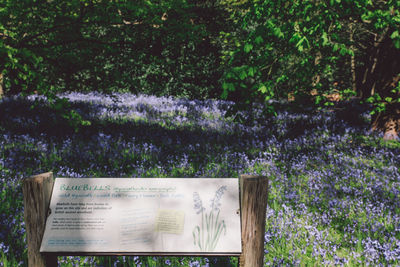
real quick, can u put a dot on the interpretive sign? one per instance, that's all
(144, 216)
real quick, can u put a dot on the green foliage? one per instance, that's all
(396, 39)
(252, 51)
(63, 109)
(380, 103)
(158, 47)
(292, 48)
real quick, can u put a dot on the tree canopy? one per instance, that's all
(139, 46)
(311, 49)
(243, 50)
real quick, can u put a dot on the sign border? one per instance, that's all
(145, 253)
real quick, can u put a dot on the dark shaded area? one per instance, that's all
(169, 48)
(21, 116)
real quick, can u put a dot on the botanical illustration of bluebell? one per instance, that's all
(207, 234)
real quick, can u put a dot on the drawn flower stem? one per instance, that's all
(202, 231)
(206, 237)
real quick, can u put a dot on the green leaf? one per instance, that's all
(228, 86)
(336, 47)
(86, 123)
(397, 43)
(300, 45)
(395, 34)
(370, 99)
(300, 48)
(224, 94)
(243, 75)
(295, 38)
(248, 47)
(259, 40)
(318, 99)
(263, 89)
(281, 78)
(251, 71)
(278, 33)
(343, 51)
(325, 39)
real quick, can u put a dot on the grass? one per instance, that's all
(334, 186)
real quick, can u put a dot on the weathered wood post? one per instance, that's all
(1, 85)
(37, 193)
(253, 195)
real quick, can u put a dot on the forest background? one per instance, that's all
(93, 88)
(311, 52)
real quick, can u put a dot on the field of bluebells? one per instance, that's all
(334, 194)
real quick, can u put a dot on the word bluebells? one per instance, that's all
(84, 187)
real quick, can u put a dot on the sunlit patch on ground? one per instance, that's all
(334, 193)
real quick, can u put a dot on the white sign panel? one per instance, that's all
(144, 215)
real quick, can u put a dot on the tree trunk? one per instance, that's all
(389, 123)
(353, 59)
(374, 60)
(381, 75)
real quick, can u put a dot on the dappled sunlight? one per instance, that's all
(169, 112)
(334, 192)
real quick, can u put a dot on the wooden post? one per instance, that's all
(37, 193)
(253, 198)
(1, 85)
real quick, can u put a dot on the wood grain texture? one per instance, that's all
(37, 193)
(1, 85)
(254, 196)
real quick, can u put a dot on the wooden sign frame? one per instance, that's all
(253, 190)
